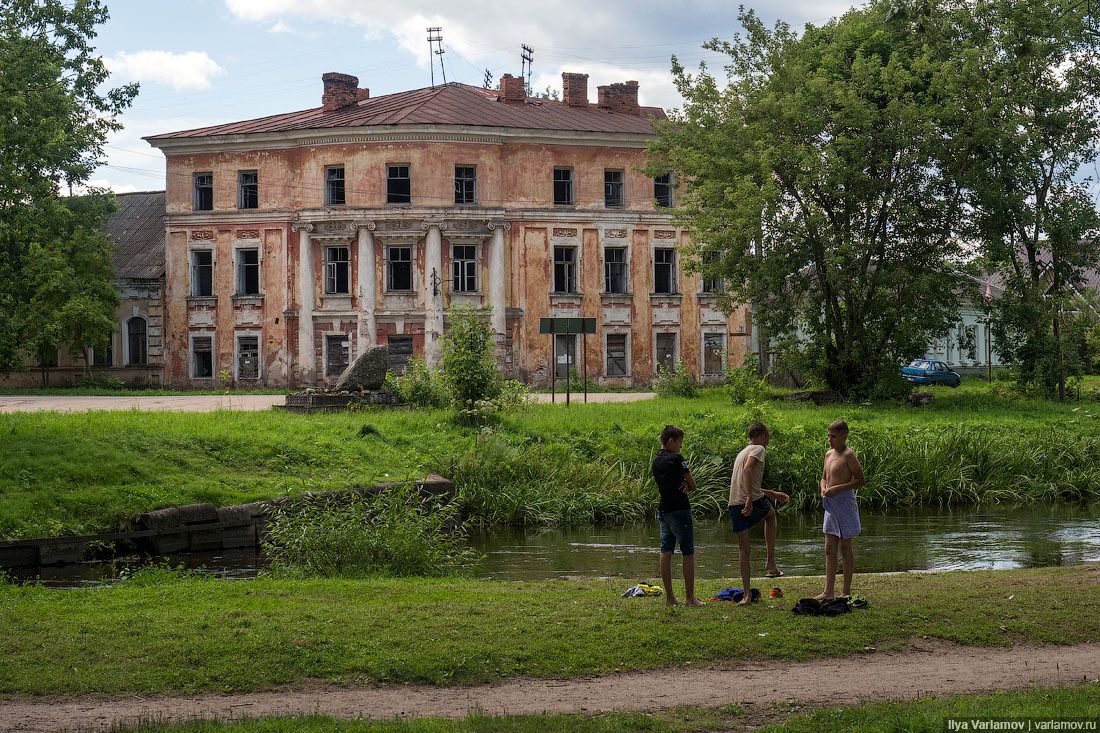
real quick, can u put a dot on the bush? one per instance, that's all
(102, 382)
(744, 384)
(420, 385)
(675, 382)
(469, 362)
(391, 533)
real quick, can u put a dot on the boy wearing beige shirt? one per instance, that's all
(749, 504)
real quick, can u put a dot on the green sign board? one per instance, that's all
(567, 325)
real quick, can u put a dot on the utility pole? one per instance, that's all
(435, 46)
(528, 56)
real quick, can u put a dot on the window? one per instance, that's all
(664, 271)
(248, 357)
(401, 350)
(136, 341)
(662, 191)
(565, 269)
(666, 350)
(204, 191)
(400, 263)
(465, 184)
(612, 188)
(336, 270)
(104, 357)
(614, 270)
(616, 355)
(334, 185)
(202, 273)
(336, 357)
(248, 271)
(248, 190)
(398, 185)
(714, 347)
(712, 284)
(202, 357)
(565, 354)
(464, 268)
(563, 187)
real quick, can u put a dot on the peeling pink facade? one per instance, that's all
(301, 282)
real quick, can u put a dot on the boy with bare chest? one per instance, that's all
(840, 478)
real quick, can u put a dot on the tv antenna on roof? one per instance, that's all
(488, 79)
(435, 45)
(528, 55)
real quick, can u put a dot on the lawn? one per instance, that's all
(186, 635)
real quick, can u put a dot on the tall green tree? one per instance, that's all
(1033, 77)
(813, 180)
(55, 273)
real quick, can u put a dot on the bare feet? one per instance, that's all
(746, 601)
(672, 602)
(774, 572)
(823, 597)
(694, 602)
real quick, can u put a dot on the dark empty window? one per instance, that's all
(136, 341)
(401, 350)
(336, 359)
(565, 269)
(398, 185)
(248, 271)
(204, 191)
(336, 270)
(616, 355)
(710, 262)
(713, 348)
(614, 270)
(563, 186)
(248, 190)
(465, 184)
(104, 357)
(664, 271)
(202, 358)
(613, 188)
(334, 185)
(248, 357)
(666, 350)
(400, 264)
(202, 272)
(662, 190)
(464, 268)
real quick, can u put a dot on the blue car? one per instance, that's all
(929, 372)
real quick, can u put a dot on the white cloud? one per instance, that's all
(111, 185)
(191, 70)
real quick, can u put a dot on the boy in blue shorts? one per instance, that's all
(674, 480)
(749, 504)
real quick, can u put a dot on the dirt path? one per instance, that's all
(925, 669)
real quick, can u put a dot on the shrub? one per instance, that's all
(102, 382)
(744, 384)
(420, 385)
(676, 381)
(392, 533)
(469, 362)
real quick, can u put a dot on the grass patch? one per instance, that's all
(89, 472)
(190, 635)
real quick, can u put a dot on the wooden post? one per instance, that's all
(553, 364)
(584, 356)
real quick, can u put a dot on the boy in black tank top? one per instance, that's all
(674, 480)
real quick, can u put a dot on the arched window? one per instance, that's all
(136, 341)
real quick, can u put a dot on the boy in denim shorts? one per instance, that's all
(674, 480)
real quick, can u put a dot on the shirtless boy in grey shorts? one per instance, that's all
(840, 478)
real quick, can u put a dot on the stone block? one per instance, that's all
(18, 556)
(243, 536)
(198, 513)
(60, 552)
(368, 371)
(160, 519)
(239, 514)
(206, 539)
(168, 543)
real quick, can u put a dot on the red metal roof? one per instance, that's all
(449, 104)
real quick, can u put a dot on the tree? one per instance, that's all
(1034, 81)
(469, 365)
(56, 281)
(814, 184)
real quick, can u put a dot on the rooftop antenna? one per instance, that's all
(528, 55)
(435, 45)
(488, 79)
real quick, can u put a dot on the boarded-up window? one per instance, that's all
(248, 357)
(714, 347)
(616, 355)
(565, 354)
(666, 350)
(202, 358)
(336, 359)
(401, 350)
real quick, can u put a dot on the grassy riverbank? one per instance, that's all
(89, 472)
(912, 716)
(186, 635)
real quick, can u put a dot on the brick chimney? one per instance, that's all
(512, 89)
(575, 89)
(620, 97)
(341, 92)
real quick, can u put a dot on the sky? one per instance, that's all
(207, 62)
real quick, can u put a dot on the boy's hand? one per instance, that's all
(746, 511)
(825, 492)
(685, 488)
(780, 497)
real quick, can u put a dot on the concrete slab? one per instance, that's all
(172, 403)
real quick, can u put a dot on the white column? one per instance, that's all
(368, 325)
(434, 278)
(307, 366)
(497, 280)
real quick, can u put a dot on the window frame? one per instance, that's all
(472, 185)
(336, 187)
(712, 284)
(671, 265)
(613, 188)
(722, 339)
(625, 355)
(202, 183)
(332, 268)
(675, 356)
(623, 264)
(196, 278)
(568, 272)
(129, 340)
(390, 270)
(98, 359)
(238, 352)
(329, 338)
(248, 192)
(569, 181)
(193, 354)
(461, 281)
(242, 272)
(669, 194)
(391, 179)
